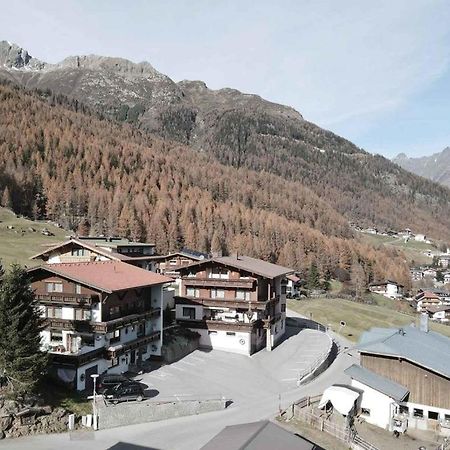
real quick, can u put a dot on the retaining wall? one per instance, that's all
(149, 411)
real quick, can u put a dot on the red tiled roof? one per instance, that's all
(108, 276)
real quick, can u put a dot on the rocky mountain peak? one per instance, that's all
(15, 57)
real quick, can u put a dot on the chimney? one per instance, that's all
(424, 322)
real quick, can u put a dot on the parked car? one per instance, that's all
(124, 392)
(109, 381)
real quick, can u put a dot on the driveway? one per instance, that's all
(257, 385)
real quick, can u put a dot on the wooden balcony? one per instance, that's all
(120, 349)
(218, 282)
(67, 299)
(65, 359)
(100, 327)
(225, 303)
(216, 325)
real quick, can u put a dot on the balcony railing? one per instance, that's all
(218, 282)
(116, 350)
(67, 299)
(226, 303)
(77, 360)
(100, 327)
(217, 324)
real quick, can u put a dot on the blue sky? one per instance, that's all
(375, 72)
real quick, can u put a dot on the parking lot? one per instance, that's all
(215, 374)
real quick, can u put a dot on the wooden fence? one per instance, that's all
(300, 410)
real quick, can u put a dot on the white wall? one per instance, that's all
(379, 405)
(219, 340)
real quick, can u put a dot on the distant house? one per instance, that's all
(444, 260)
(293, 284)
(446, 277)
(420, 237)
(430, 273)
(416, 274)
(425, 299)
(264, 435)
(416, 360)
(169, 264)
(439, 313)
(390, 289)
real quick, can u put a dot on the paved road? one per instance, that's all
(252, 382)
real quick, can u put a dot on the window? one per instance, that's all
(114, 311)
(418, 413)
(283, 307)
(56, 337)
(78, 289)
(54, 312)
(192, 292)
(243, 295)
(231, 333)
(189, 312)
(173, 262)
(115, 337)
(78, 252)
(54, 287)
(404, 409)
(191, 274)
(219, 272)
(283, 289)
(433, 415)
(114, 362)
(217, 293)
(365, 411)
(82, 314)
(447, 417)
(88, 339)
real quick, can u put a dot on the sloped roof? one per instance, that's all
(112, 255)
(434, 309)
(248, 264)
(263, 435)
(427, 349)
(377, 382)
(107, 276)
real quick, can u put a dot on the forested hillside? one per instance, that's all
(107, 178)
(244, 131)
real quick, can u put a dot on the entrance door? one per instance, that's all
(133, 357)
(89, 383)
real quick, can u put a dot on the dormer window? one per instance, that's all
(54, 287)
(219, 272)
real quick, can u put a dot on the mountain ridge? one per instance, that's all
(435, 167)
(246, 131)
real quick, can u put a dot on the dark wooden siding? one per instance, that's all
(425, 386)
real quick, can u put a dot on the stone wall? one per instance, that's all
(147, 411)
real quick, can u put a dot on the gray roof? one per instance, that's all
(262, 435)
(248, 264)
(377, 382)
(427, 349)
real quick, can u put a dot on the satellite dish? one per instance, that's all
(342, 323)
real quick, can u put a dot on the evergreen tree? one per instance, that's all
(313, 281)
(21, 359)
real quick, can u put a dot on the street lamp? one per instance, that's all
(94, 376)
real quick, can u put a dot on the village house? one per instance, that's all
(405, 378)
(101, 316)
(85, 249)
(416, 274)
(446, 276)
(235, 303)
(293, 285)
(420, 237)
(443, 260)
(430, 273)
(439, 313)
(390, 289)
(171, 263)
(425, 299)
